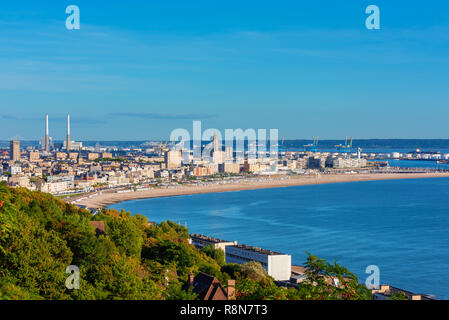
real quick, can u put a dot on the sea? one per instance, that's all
(400, 226)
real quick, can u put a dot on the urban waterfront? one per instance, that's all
(398, 225)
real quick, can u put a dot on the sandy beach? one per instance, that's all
(105, 198)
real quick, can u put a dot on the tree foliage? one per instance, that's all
(215, 253)
(323, 281)
(41, 235)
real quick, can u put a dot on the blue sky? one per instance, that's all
(138, 69)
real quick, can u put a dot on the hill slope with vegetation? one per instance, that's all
(41, 235)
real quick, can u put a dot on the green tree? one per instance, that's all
(253, 270)
(175, 292)
(326, 281)
(215, 253)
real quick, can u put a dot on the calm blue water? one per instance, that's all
(416, 164)
(402, 226)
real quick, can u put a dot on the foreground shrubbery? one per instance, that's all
(40, 236)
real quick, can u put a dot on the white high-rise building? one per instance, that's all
(218, 156)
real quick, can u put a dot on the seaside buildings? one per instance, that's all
(121, 170)
(208, 287)
(92, 156)
(173, 159)
(14, 150)
(229, 167)
(385, 292)
(153, 164)
(218, 156)
(34, 156)
(112, 167)
(343, 163)
(200, 241)
(277, 265)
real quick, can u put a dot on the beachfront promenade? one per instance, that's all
(105, 198)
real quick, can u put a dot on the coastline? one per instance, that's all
(105, 199)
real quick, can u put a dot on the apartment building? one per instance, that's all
(385, 292)
(199, 241)
(277, 265)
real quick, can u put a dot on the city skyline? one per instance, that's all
(137, 72)
(48, 138)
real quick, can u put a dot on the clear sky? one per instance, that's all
(138, 69)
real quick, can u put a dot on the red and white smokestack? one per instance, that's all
(68, 133)
(47, 142)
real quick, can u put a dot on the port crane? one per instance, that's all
(312, 147)
(345, 148)
(162, 147)
(165, 146)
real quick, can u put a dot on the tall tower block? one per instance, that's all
(216, 144)
(68, 145)
(14, 150)
(47, 139)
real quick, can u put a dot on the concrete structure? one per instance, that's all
(277, 265)
(74, 145)
(173, 159)
(34, 156)
(47, 137)
(216, 143)
(200, 171)
(342, 163)
(316, 162)
(68, 142)
(15, 170)
(229, 153)
(92, 156)
(61, 156)
(229, 168)
(52, 187)
(200, 241)
(385, 292)
(301, 163)
(73, 155)
(14, 150)
(19, 181)
(218, 156)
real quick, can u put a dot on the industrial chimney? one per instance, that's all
(68, 145)
(47, 139)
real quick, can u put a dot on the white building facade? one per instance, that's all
(277, 265)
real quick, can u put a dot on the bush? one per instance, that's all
(253, 270)
(216, 254)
